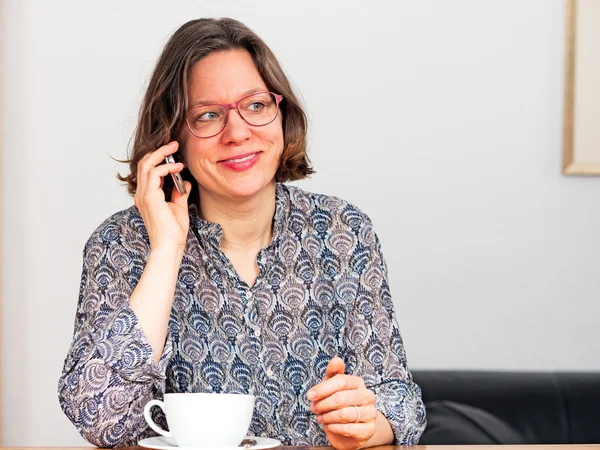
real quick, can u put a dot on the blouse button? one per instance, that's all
(248, 295)
(257, 333)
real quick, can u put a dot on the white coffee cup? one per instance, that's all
(203, 419)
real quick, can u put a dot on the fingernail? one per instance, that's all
(320, 418)
(311, 395)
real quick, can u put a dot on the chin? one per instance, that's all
(248, 188)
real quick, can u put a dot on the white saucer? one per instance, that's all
(165, 443)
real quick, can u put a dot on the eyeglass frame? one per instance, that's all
(234, 105)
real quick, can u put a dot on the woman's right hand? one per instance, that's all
(167, 222)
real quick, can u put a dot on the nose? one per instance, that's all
(236, 129)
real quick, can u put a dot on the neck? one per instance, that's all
(246, 223)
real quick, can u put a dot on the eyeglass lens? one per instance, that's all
(258, 109)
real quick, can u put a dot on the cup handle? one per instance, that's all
(148, 417)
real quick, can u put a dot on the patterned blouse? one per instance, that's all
(321, 291)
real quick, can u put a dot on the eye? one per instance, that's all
(207, 116)
(255, 106)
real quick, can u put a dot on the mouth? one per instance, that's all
(240, 163)
(240, 158)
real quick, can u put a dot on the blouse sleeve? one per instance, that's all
(374, 348)
(110, 372)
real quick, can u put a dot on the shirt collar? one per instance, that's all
(212, 232)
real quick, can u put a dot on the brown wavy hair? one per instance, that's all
(163, 110)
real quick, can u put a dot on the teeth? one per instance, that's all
(242, 159)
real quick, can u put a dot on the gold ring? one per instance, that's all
(357, 414)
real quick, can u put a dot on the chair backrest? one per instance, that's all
(532, 407)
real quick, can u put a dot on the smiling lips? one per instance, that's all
(241, 162)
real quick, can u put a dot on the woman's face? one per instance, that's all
(224, 78)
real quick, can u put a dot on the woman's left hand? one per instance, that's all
(344, 407)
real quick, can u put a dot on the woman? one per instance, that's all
(240, 284)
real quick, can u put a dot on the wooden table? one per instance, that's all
(385, 447)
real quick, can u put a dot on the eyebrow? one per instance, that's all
(212, 102)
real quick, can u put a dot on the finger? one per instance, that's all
(339, 382)
(343, 399)
(361, 431)
(350, 414)
(153, 159)
(179, 198)
(156, 175)
(156, 157)
(334, 367)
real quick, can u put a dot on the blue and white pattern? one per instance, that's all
(322, 291)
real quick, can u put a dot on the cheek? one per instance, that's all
(195, 151)
(279, 133)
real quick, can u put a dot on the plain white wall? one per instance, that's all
(453, 149)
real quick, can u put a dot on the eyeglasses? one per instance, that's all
(259, 109)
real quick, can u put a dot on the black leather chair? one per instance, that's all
(480, 407)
